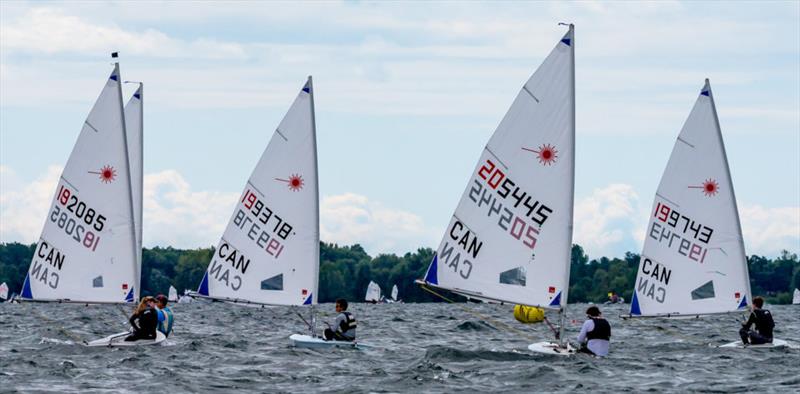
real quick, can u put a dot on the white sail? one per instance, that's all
(796, 297)
(172, 296)
(269, 253)
(394, 292)
(510, 236)
(373, 292)
(86, 251)
(693, 261)
(3, 291)
(135, 132)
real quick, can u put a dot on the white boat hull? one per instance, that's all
(551, 348)
(118, 340)
(307, 341)
(775, 343)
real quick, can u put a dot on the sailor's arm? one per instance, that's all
(587, 326)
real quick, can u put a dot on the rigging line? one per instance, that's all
(302, 318)
(59, 327)
(479, 315)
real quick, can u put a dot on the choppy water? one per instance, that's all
(416, 347)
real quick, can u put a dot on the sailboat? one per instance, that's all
(87, 251)
(510, 237)
(796, 297)
(373, 293)
(269, 252)
(394, 294)
(3, 292)
(693, 262)
(172, 296)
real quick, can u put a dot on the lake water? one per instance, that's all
(414, 347)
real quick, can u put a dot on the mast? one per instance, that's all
(563, 310)
(136, 289)
(141, 189)
(740, 241)
(315, 295)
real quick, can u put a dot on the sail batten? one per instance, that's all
(693, 260)
(269, 252)
(509, 238)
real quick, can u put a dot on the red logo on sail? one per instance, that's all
(295, 182)
(107, 174)
(547, 154)
(710, 187)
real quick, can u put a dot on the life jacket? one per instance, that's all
(602, 330)
(165, 326)
(764, 322)
(348, 324)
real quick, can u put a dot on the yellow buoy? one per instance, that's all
(528, 314)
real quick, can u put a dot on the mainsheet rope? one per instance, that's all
(482, 316)
(59, 327)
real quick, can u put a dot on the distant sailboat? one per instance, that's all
(373, 293)
(3, 292)
(87, 251)
(693, 262)
(172, 295)
(394, 293)
(510, 237)
(269, 252)
(796, 297)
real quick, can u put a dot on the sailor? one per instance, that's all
(345, 326)
(595, 333)
(144, 321)
(762, 318)
(165, 317)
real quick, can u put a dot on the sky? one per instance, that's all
(407, 94)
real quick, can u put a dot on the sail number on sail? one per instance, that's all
(78, 211)
(262, 214)
(514, 225)
(690, 232)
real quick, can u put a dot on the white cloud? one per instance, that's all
(351, 218)
(51, 30)
(767, 231)
(176, 215)
(606, 222)
(23, 206)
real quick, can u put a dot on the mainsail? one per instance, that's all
(510, 237)
(373, 292)
(693, 261)
(173, 294)
(394, 292)
(3, 292)
(269, 253)
(134, 123)
(796, 297)
(87, 249)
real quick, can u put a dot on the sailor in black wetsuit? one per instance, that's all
(762, 318)
(144, 321)
(345, 326)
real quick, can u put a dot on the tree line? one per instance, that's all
(345, 272)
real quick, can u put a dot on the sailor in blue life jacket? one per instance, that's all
(165, 317)
(143, 321)
(345, 326)
(595, 333)
(762, 318)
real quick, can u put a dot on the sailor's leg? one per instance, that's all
(744, 334)
(327, 334)
(757, 339)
